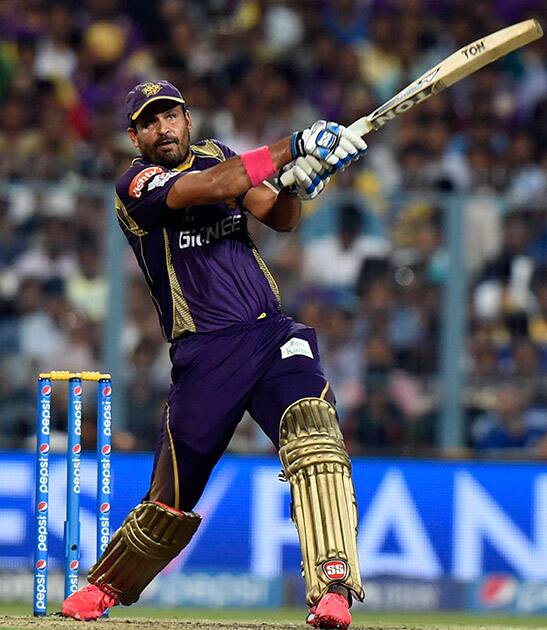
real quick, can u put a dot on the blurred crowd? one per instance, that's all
(369, 262)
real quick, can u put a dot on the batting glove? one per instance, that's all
(329, 142)
(310, 179)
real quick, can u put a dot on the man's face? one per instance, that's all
(162, 134)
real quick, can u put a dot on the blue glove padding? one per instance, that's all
(329, 142)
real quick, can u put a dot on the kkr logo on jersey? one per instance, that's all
(203, 236)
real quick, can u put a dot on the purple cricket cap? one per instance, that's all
(145, 93)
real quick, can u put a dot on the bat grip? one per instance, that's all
(361, 126)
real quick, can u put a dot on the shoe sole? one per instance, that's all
(333, 623)
(76, 615)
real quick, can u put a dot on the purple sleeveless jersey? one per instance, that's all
(203, 270)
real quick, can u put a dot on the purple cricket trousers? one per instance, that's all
(261, 367)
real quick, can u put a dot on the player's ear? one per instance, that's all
(132, 133)
(188, 117)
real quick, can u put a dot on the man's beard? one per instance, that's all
(171, 158)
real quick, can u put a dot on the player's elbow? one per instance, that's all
(289, 226)
(282, 224)
(288, 218)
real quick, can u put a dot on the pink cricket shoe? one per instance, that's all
(332, 611)
(87, 604)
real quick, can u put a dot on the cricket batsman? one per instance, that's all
(183, 208)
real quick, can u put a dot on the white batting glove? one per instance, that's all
(330, 142)
(310, 178)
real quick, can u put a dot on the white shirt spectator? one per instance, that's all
(326, 262)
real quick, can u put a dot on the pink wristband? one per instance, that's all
(259, 164)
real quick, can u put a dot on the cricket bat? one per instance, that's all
(455, 67)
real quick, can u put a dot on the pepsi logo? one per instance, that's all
(497, 591)
(42, 506)
(76, 449)
(46, 390)
(106, 449)
(107, 390)
(105, 508)
(44, 448)
(74, 565)
(41, 565)
(78, 390)
(335, 569)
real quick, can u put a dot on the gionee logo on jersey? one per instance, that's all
(220, 229)
(139, 181)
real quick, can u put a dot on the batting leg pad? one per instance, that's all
(149, 538)
(324, 508)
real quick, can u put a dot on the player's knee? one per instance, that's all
(309, 434)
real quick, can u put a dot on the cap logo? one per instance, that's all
(150, 89)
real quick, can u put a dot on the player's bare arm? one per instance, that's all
(227, 180)
(276, 209)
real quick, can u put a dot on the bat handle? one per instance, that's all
(360, 127)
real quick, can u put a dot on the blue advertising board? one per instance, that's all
(503, 593)
(424, 520)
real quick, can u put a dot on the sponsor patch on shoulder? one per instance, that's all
(296, 346)
(161, 179)
(141, 179)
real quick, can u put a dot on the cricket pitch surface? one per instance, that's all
(60, 623)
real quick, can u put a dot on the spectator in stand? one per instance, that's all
(513, 424)
(53, 256)
(345, 252)
(86, 289)
(537, 329)
(377, 424)
(503, 287)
